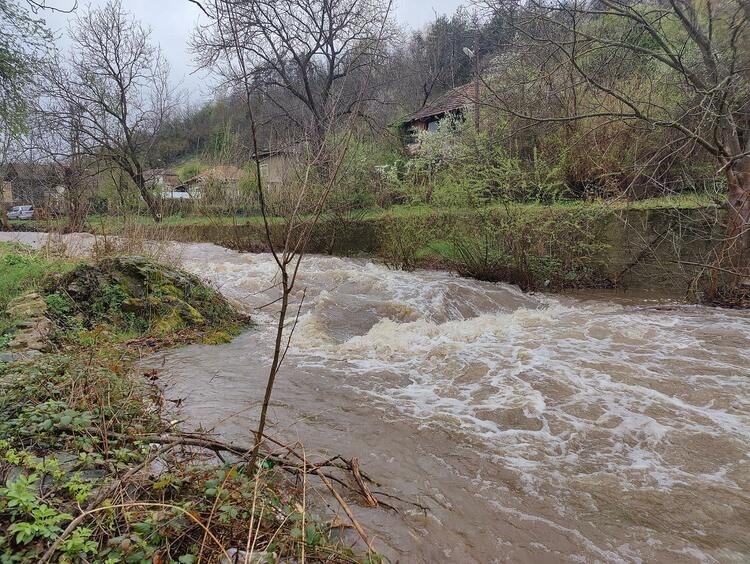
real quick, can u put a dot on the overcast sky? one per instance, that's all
(172, 21)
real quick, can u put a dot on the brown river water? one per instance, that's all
(535, 428)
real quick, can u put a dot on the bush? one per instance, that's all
(460, 167)
(537, 247)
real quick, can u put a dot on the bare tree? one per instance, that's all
(4, 146)
(55, 143)
(673, 64)
(113, 88)
(437, 57)
(301, 55)
(312, 47)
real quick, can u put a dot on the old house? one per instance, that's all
(161, 178)
(39, 185)
(221, 182)
(166, 183)
(275, 167)
(453, 102)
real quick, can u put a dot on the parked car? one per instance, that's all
(179, 193)
(21, 212)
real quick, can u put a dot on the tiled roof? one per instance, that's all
(221, 173)
(450, 101)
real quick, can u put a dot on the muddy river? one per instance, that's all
(535, 428)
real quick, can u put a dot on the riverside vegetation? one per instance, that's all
(668, 244)
(92, 468)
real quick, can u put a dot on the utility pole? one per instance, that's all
(472, 54)
(476, 91)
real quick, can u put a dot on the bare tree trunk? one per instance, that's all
(275, 365)
(4, 219)
(738, 233)
(151, 202)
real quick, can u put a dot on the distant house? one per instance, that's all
(221, 180)
(275, 167)
(6, 194)
(166, 183)
(453, 102)
(32, 184)
(162, 178)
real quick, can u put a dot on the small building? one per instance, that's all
(176, 193)
(275, 167)
(219, 181)
(32, 184)
(161, 178)
(453, 102)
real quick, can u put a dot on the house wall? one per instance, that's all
(32, 192)
(214, 190)
(6, 194)
(171, 180)
(276, 169)
(163, 180)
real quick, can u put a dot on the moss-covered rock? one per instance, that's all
(29, 316)
(136, 294)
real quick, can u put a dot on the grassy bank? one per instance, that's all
(23, 271)
(662, 243)
(92, 465)
(113, 225)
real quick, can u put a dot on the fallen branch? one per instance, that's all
(283, 462)
(371, 501)
(346, 509)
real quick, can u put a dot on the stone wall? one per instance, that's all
(651, 249)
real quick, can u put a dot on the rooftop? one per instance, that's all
(220, 173)
(450, 101)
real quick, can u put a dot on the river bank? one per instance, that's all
(665, 246)
(93, 464)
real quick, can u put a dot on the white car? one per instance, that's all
(177, 194)
(21, 212)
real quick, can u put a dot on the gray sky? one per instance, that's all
(172, 21)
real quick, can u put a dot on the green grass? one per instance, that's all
(690, 200)
(111, 225)
(191, 168)
(439, 249)
(23, 270)
(38, 224)
(678, 201)
(685, 201)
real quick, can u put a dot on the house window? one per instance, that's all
(432, 127)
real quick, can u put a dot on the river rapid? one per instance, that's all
(535, 428)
